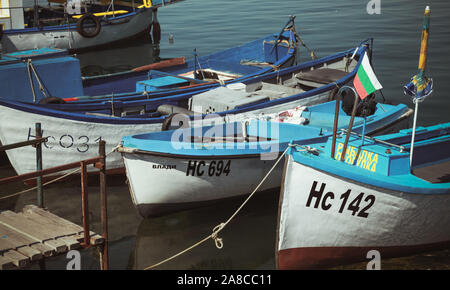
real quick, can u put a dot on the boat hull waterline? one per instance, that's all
(313, 199)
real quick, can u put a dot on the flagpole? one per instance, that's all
(420, 81)
(413, 132)
(363, 131)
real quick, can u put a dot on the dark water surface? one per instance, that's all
(212, 25)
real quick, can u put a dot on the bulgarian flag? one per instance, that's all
(365, 81)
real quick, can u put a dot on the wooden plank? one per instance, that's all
(70, 242)
(5, 245)
(58, 246)
(8, 244)
(44, 249)
(47, 219)
(21, 225)
(31, 253)
(6, 264)
(17, 258)
(162, 64)
(32, 209)
(95, 239)
(14, 238)
(29, 210)
(29, 227)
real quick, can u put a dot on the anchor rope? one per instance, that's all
(216, 230)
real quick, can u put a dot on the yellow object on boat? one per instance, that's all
(104, 13)
(146, 4)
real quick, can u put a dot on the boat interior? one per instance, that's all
(431, 157)
(224, 98)
(54, 14)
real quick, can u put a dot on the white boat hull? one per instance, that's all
(324, 233)
(72, 140)
(161, 184)
(119, 29)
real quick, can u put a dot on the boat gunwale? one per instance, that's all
(71, 25)
(41, 110)
(375, 181)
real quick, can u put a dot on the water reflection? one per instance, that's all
(119, 57)
(249, 239)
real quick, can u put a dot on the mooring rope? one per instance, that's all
(45, 184)
(53, 180)
(41, 86)
(216, 230)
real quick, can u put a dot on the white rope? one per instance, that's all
(214, 235)
(53, 180)
(41, 87)
(45, 184)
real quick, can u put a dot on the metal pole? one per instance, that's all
(103, 205)
(363, 132)
(413, 133)
(40, 191)
(336, 119)
(85, 203)
(350, 126)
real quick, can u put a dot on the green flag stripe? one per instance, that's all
(365, 81)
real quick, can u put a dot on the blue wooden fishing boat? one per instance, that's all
(75, 25)
(30, 78)
(74, 135)
(185, 168)
(354, 198)
(336, 208)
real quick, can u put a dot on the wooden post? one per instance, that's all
(40, 192)
(103, 206)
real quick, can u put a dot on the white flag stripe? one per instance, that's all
(369, 71)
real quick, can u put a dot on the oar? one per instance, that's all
(420, 86)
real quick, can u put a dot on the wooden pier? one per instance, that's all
(34, 234)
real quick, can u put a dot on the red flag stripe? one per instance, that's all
(359, 87)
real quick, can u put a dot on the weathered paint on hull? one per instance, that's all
(72, 140)
(325, 233)
(118, 30)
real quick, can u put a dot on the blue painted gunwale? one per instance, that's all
(120, 103)
(398, 179)
(42, 110)
(314, 132)
(124, 82)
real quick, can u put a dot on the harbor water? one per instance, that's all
(325, 27)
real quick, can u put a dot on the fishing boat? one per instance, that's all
(361, 197)
(334, 211)
(47, 76)
(73, 136)
(184, 168)
(74, 25)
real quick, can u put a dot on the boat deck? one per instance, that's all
(436, 173)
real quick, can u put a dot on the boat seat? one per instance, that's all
(321, 75)
(167, 109)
